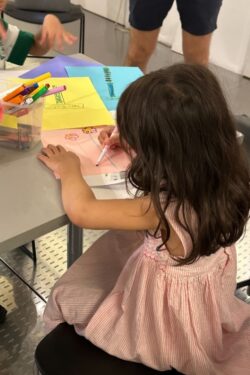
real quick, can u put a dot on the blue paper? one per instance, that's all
(109, 81)
(56, 66)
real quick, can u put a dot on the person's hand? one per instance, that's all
(106, 139)
(53, 34)
(59, 160)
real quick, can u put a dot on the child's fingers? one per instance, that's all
(61, 148)
(59, 41)
(69, 38)
(113, 141)
(104, 136)
(49, 151)
(43, 158)
(42, 39)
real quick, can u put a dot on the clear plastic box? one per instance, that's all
(20, 125)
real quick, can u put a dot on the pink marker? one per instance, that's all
(55, 90)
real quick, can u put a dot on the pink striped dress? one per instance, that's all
(130, 300)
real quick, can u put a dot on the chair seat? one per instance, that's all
(36, 17)
(62, 351)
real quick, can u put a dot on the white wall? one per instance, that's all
(230, 47)
(114, 10)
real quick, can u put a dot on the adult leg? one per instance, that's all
(196, 47)
(141, 46)
(198, 20)
(146, 17)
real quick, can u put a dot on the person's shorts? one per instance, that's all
(198, 17)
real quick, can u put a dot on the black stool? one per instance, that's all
(74, 13)
(63, 352)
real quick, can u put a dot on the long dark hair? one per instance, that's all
(176, 124)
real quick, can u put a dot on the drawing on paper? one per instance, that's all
(84, 143)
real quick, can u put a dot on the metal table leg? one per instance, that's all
(75, 243)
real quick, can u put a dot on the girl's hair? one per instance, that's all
(176, 125)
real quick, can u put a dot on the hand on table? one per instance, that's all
(60, 161)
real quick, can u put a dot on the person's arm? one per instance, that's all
(84, 209)
(16, 43)
(52, 35)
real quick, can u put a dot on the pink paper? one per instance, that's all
(84, 143)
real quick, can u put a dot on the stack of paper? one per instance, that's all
(79, 106)
(109, 81)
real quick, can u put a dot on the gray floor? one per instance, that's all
(23, 327)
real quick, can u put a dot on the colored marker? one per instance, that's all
(36, 96)
(34, 92)
(55, 90)
(38, 79)
(28, 90)
(14, 93)
(105, 149)
(18, 99)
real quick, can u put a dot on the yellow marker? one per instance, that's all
(38, 79)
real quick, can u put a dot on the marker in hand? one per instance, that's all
(105, 149)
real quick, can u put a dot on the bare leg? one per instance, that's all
(196, 48)
(141, 46)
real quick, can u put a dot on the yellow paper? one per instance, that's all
(79, 106)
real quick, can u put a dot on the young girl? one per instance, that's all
(158, 288)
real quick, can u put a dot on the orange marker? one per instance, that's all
(14, 93)
(18, 99)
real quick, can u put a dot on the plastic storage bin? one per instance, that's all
(20, 125)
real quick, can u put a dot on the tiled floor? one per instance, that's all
(23, 327)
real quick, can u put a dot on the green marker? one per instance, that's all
(40, 93)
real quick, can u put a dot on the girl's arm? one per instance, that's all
(84, 209)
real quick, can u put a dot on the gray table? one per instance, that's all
(30, 201)
(30, 204)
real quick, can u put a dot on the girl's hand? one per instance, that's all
(53, 34)
(59, 160)
(105, 137)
